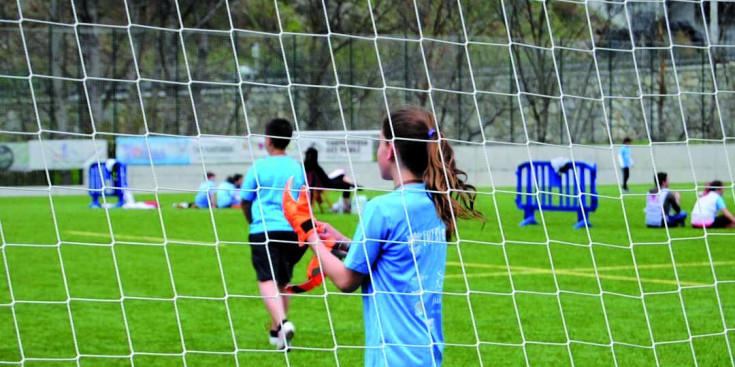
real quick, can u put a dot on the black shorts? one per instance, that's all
(283, 255)
(720, 222)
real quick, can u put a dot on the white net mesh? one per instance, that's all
(177, 88)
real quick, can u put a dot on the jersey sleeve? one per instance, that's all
(298, 178)
(720, 203)
(249, 185)
(366, 243)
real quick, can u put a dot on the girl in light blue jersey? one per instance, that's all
(398, 253)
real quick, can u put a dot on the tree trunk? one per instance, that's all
(58, 61)
(93, 63)
(200, 73)
(662, 90)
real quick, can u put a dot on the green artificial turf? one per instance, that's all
(544, 295)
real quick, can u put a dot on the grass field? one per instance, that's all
(671, 302)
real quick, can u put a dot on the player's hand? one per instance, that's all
(338, 248)
(297, 213)
(327, 230)
(328, 240)
(677, 196)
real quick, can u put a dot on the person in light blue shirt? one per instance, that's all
(273, 243)
(262, 190)
(398, 253)
(205, 195)
(410, 321)
(625, 160)
(228, 193)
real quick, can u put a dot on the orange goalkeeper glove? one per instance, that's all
(297, 213)
(314, 274)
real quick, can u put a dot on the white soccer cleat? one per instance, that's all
(285, 335)
(273, 337)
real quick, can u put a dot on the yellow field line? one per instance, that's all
(580, 272)
(659, 266)
(577, 274)
(520, 270)
(599, 268)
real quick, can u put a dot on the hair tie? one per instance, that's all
(432, 132)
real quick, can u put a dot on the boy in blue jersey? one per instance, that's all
(228, 193)
(274, 245)
(398, 253)
(626, 161)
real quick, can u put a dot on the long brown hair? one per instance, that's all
(420, 148)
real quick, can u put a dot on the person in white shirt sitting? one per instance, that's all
(663, 205)
(704, 214)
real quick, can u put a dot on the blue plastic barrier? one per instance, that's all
(109, 183)
(554, 191)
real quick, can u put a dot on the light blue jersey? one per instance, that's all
(625, 159)
(227, 195)
(266, 192)
(403, 327)
(205, 189)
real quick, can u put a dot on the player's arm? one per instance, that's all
(345, 279)
(299, 216)
(728, 215)
(246, 206)
(720, 206)
(212, 199)
(248, 194)
(672, 202)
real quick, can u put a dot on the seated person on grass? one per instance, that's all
(204, 196)
(662, 204)
(704, 214)
(228, 192)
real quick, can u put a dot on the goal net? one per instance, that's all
(174, 89)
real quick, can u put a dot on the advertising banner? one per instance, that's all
(162, 150)
(216, 150)
(335, 150)
(223, 150)
(65, 154)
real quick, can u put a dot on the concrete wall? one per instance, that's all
(710, 162)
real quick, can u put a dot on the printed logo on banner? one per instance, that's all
(16, 156)
(163, 150)
(332, 147)
(6, 157)
(216, 150)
